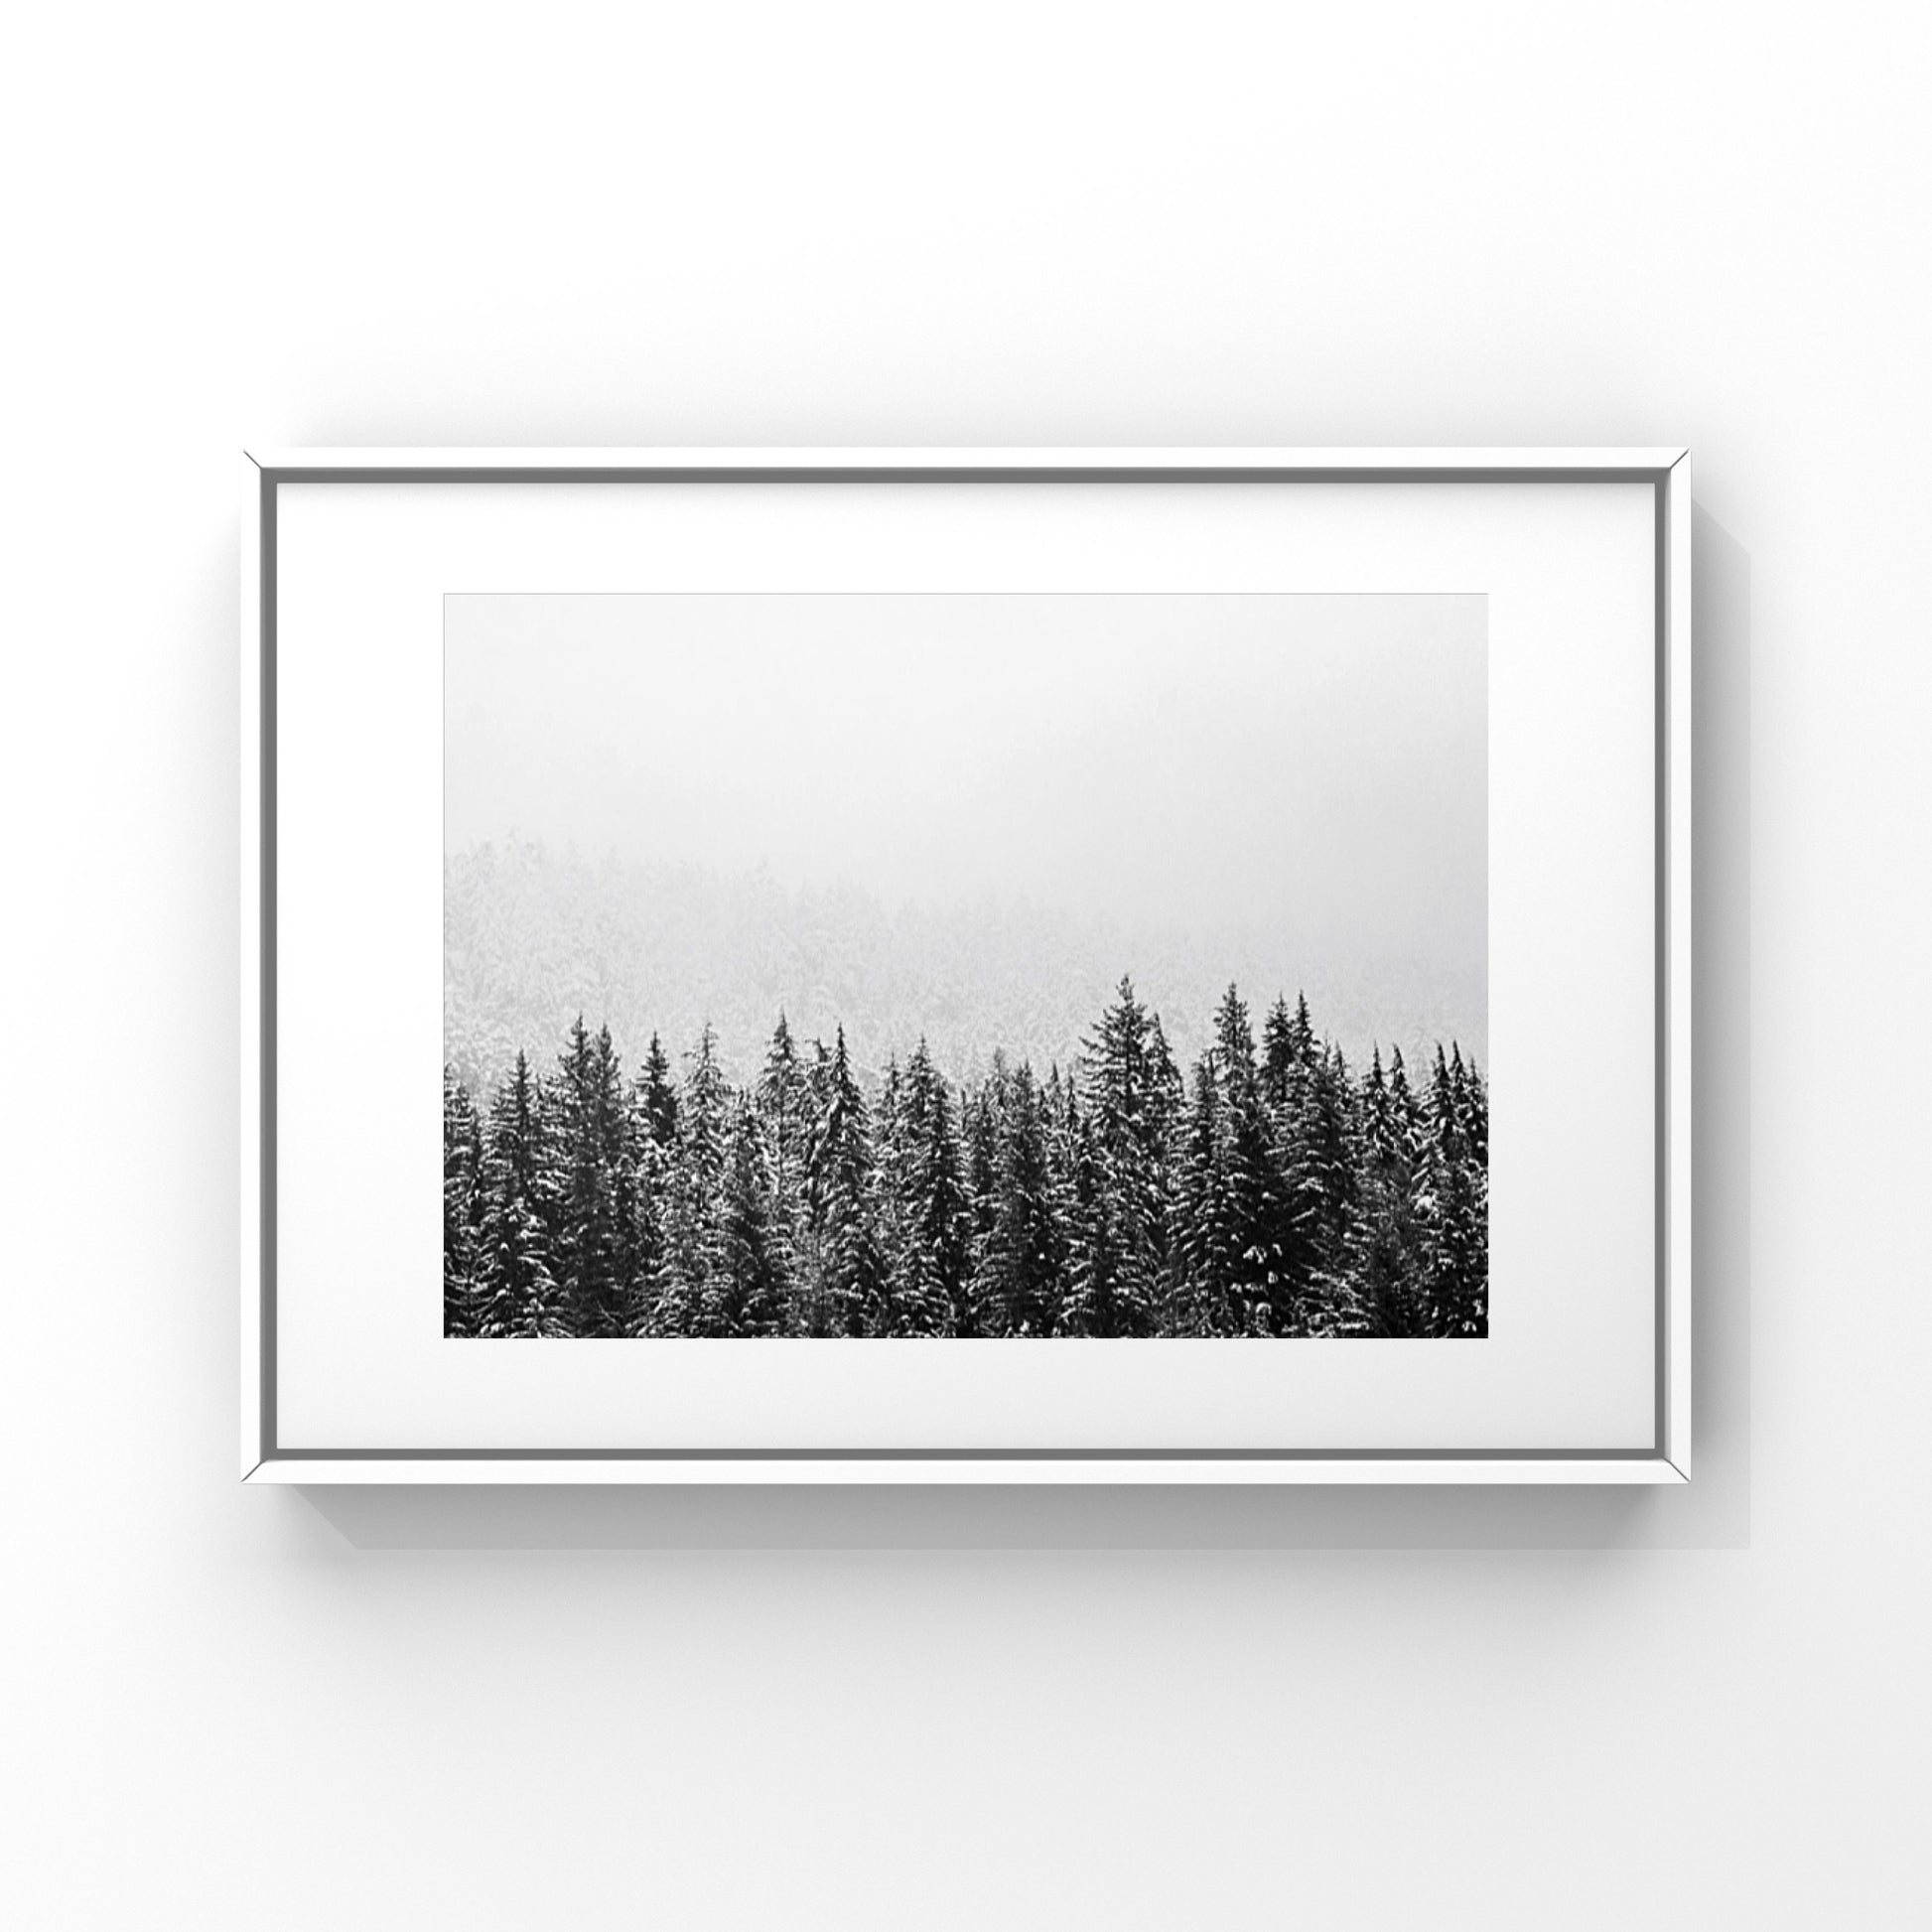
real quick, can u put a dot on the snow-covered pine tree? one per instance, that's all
(1474, 1099)
(1406, 1106)
(785, 1115)
(1167, 1137)
(844, 1276)
(888, 1222)
(1290, 1072)
(1385, 1263)
(462, 1205)
(1334, 1158)
(931, 1215)
(695, 1195)
(1288, 1050)
(1476, 1107)
(1023, 1274)
(656, 1096)
(1097, 1300)
(650, 1178)
(593, 1234)
(517, 1290)
(1204, 1303)
(979, 1114)
(746, 1291)
(1259, 1230)
(1452, 1210)
(1060, 1118)
(1132, 1100)
(632, 1248)
(651, 1127)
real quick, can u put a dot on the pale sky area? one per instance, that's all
(1313, 765)
(961, 818)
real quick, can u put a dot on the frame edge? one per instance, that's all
(1097, 460)
(251, 727)
(1644, 1471)
(1671, 1461)
(1675, 1434)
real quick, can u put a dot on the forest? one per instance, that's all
(1273, 1192)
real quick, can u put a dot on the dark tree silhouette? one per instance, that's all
(1273, 1193)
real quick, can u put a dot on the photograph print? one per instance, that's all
(959, 966)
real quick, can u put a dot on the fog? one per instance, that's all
(1309, 772)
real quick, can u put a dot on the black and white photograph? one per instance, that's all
(965, 966)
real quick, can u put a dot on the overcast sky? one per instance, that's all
(1309, 767)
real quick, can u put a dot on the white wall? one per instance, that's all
(831, 223)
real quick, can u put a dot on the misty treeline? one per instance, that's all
(533, 936)
(1273, 1192)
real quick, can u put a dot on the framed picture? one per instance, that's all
(965, 965)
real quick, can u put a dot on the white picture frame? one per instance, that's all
(1410, 508)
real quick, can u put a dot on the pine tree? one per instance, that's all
(845, 1285)
(1099, 1300)
(1256, 1242)
(888, 1219)
(1474, 1097)
(462, 1205)
(1288, 1050)
(745, 1292)
(657, 1095)
(652, 1132)
(980, 1146)
(1205, 1302)
(1453, 1209)
(695, 1195)
(1132, 1091)
(931, 1216)
(1384, 1260)
(1024, 1257)
(1404, 1107)
(1331, 1186)
(517, 1290)
(593, 1237)
(784, 1111)
(1476, 1109)
(1308, 1095)
(1167, 1119)
(651, 1167)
